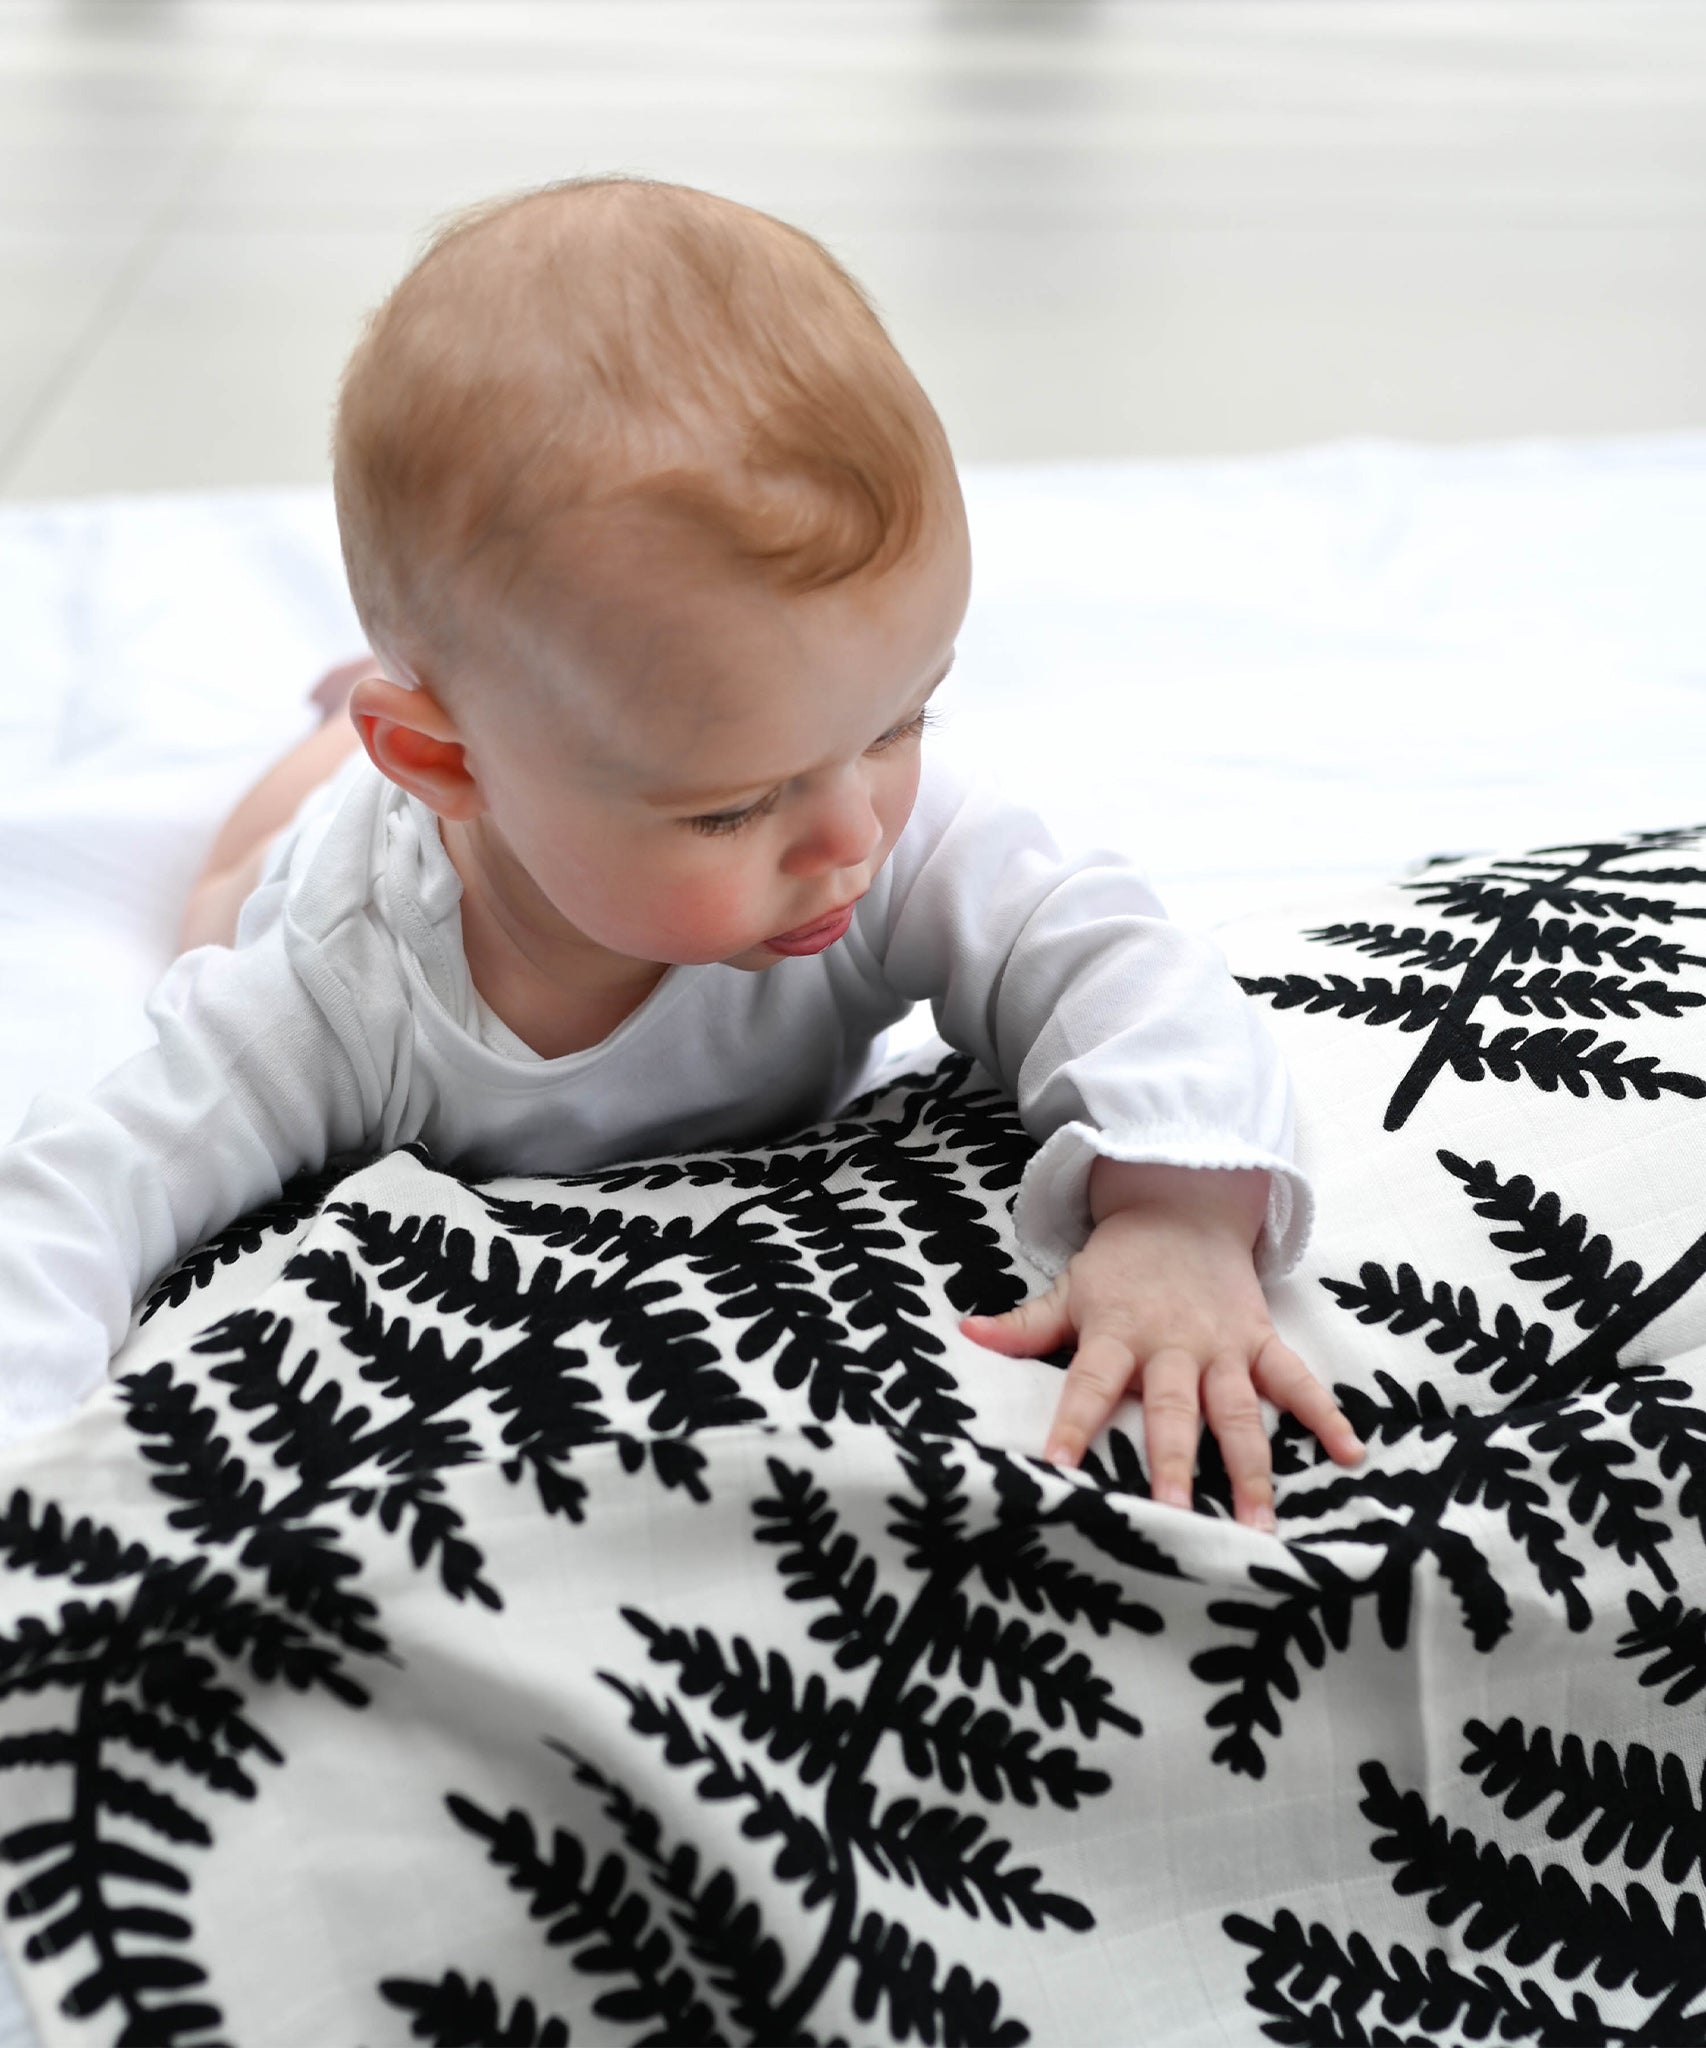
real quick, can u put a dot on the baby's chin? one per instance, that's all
(755, 960)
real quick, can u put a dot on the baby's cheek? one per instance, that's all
(711, 914)
(895, 796)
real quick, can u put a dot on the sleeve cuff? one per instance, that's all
(1051, 1213)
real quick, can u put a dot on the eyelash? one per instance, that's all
(719, 823)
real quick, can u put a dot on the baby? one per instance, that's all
(661, 554)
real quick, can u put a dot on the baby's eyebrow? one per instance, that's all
(727, 798)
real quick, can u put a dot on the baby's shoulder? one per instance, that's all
(328, 862)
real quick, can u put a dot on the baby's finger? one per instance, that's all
(1232, 1411)
(1096, 1382)
(1035, 1326)
(1283, 1378)
(1172, 1423)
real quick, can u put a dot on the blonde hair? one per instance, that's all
(619, 340)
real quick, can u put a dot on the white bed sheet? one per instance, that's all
(1257, 677)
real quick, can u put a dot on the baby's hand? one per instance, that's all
(1164, 1300)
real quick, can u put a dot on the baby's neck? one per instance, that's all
(556, 990)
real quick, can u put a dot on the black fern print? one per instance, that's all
(539, 1387)
(163, 1671)
(390, 1469)
(833, 1816)
(1558, 1432)
(1634, 1817)
(456, 2014)
(296, 1205)
(1639, 1805)
(976, 1119)
(1528, 920)
(919, 1652)
(1673, 1638)
(810, 1273)
(153, 1671)
(378, 1431)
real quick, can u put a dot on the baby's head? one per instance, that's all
(640, 507)
(618, 345)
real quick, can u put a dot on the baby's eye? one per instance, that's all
(715, 822)
(911, 730)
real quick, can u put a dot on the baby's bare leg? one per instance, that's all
(234, 863)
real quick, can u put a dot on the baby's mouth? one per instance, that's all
(815, 937)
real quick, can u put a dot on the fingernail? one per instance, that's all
(1174, 1497)
(1263, 1519)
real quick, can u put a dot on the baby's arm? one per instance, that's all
(1163, 1189)
(1164, 1301)
(246, 1084)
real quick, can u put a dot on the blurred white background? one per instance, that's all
(1097, 227)
(1461, 241)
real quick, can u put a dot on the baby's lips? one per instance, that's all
(816, 937)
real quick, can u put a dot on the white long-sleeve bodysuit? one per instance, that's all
(345, 1018)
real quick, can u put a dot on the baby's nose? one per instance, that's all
(842, 831)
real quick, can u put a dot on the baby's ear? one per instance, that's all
(413, 740)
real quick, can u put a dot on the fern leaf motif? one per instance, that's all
(896, 1971)
(1638, 1803)
(1526, 918)
(1672, 1639)
(1413, 1005)
(595, 1912)
(1552, 1247)
(1526, 1916)
(1310, 1612)
(453, 2013)
(1294, 1965)
(1556, 1405)
(137, 1684)
(951, 1855)
(1531, 1914)
(914, 1653)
